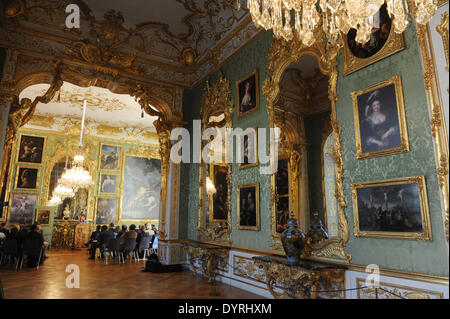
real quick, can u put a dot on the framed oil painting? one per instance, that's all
(141, 187)
(248, 94)
(380, 123)
(394, 208)
(108, 183)
(110, 157)
(220, 209)
(106, 209)
(383, 42)
(22, 208)
(43, 216)
(31, 149)
(248, 207)
(247, 148)
(27, 177)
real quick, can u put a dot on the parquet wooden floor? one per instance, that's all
(112, 281)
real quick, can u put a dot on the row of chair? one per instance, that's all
(31, 248)
(113, 248)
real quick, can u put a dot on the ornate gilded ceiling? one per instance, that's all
(177, 42)
(107, 114)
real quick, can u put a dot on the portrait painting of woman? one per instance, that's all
(379, 119)
(27, 177)
(247, 91)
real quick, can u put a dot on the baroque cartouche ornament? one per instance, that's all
(293, 240)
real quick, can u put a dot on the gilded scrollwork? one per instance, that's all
(280, 56)
(216, 103)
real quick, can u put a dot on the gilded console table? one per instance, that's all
(208, 256)
(298, 282)
(63, 234)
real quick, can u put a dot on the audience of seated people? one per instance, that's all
(101, 236)
(22, 233)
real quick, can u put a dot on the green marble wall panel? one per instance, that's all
(408, 255)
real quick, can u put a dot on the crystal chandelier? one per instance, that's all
(303, 16)
(77, 176)
(74, 178)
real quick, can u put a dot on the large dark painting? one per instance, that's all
(141, 188)
(22, 208)
(107, 208)
(248, 207)
(391, 208)
(31, 149)
(220, 197)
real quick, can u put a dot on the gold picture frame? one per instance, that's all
(26, 213)
(117, 214)
(394, 43)
(249, 223)
(226, 170)
(253, 89)
(248, 132)
(40, 212)
(19, 149)
(100, 183)
(147, 153)
(399, 196)
(371, 138)
(119, 159)
(20, 175)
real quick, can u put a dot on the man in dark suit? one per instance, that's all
(131, 233)
(93, 240)
(34, 235)
(105, 236)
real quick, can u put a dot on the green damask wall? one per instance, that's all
(408, 255)
(252, 57)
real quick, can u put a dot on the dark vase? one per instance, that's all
(293, 240)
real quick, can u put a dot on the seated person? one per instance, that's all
(45, 244)
(105, 236)
(34, 234)
(93, 240)
(129, 234)
(122, 231)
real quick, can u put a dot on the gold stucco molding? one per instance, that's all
(280, 56)
(437, 124)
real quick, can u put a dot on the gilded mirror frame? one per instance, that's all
(69, 147)
(216, 100)
(281, 55)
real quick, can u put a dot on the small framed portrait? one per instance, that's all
(106, 209)
(394, 208)
(248, 207)
(31, 149)
(219, 211)
(247, 148)
(383, 42)
(22, 208)
(43, 216)
(380, 123)
(27, 177)
(108, 183)
(248, 94)
(110, 156)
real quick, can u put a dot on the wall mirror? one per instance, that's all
(300, 96)
(214, 217)
(83, 201)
